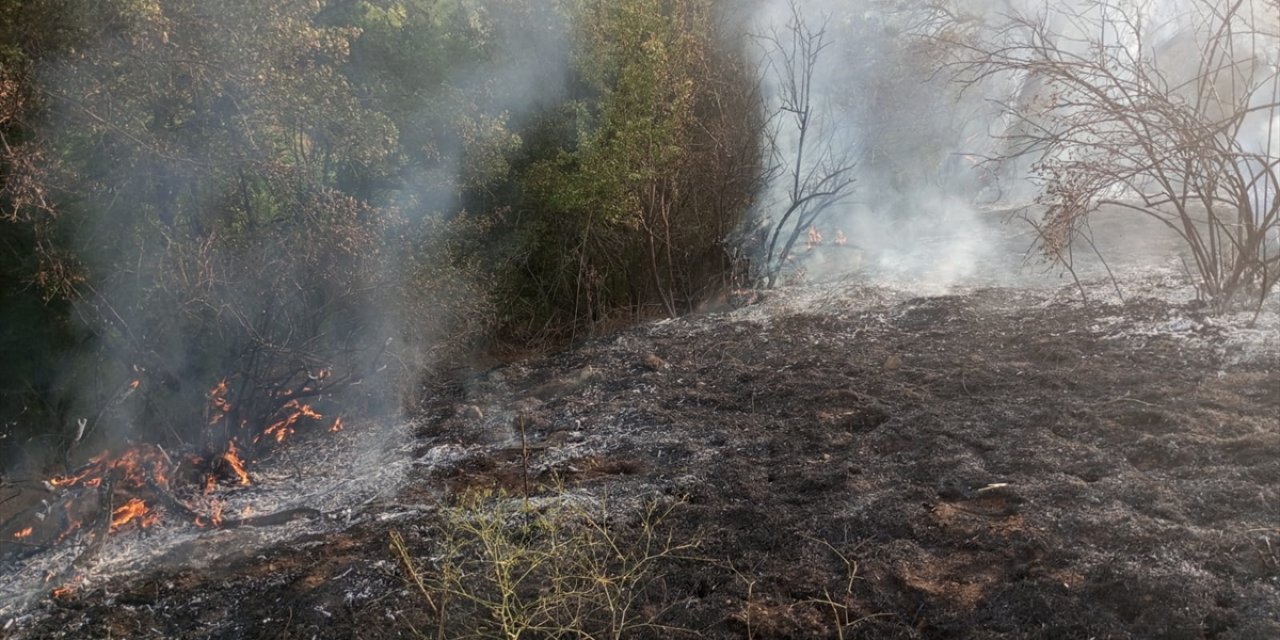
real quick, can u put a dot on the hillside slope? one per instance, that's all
(997, 463)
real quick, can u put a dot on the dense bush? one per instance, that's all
(629, 188)
(278, 194)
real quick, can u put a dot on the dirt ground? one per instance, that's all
(999, 463)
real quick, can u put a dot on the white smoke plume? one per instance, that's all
(930, 211)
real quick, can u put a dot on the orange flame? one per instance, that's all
(134, 509)
(841, 239)
(25, 533)
(282, 429)
(134, 467)
(63, 592)
(233, 458)
(73, 524)
(215, 515)
(219, 407)
(337, 426)
(72, 480)
(814, 238)
(135, 384)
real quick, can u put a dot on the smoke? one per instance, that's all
(482, 110)
(918, 142)
(931, 211)
(177, 110)
(490, 96)
(259, 184)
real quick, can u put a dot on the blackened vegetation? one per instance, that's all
(140, 488)
(998, 464)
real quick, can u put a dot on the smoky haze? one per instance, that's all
(205, 258)
(940, 198)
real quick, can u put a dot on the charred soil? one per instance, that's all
(1002, 463)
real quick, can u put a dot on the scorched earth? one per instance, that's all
(843, 460)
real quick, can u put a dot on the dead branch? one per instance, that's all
(1164, 128)
(820, 176)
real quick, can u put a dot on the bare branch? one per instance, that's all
(1113, 117)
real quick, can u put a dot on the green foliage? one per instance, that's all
(619, 227)
(199, 189)
(196, 181)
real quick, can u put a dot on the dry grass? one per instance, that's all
(498, 566)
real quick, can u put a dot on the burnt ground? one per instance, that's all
(1000, 463)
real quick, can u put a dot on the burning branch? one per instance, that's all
(216, 520)
(285, 427)
(113, 492)
(131, 511)
(233, 458)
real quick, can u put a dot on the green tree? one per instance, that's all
(630, 221)
(179, 176)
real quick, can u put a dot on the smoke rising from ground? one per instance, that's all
(269, 184)
(220, 142)
(931, 208)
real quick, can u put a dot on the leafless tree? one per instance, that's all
(1177, 123)
(806, 153)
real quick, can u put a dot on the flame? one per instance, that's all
(233, 458)
(25, 533)
(337, 426)
(215, 515)
(282, 429)
(73, 524)
(63, 592)
(72, 480)
(219, 407)
(135, 384)
(134, 509)
(814, 238)
(841, 240)
(134, 467)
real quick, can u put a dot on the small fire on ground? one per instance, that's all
(814, 239)
(138, 487)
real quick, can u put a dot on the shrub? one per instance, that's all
(554, 566)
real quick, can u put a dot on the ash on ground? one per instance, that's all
(341, 475)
